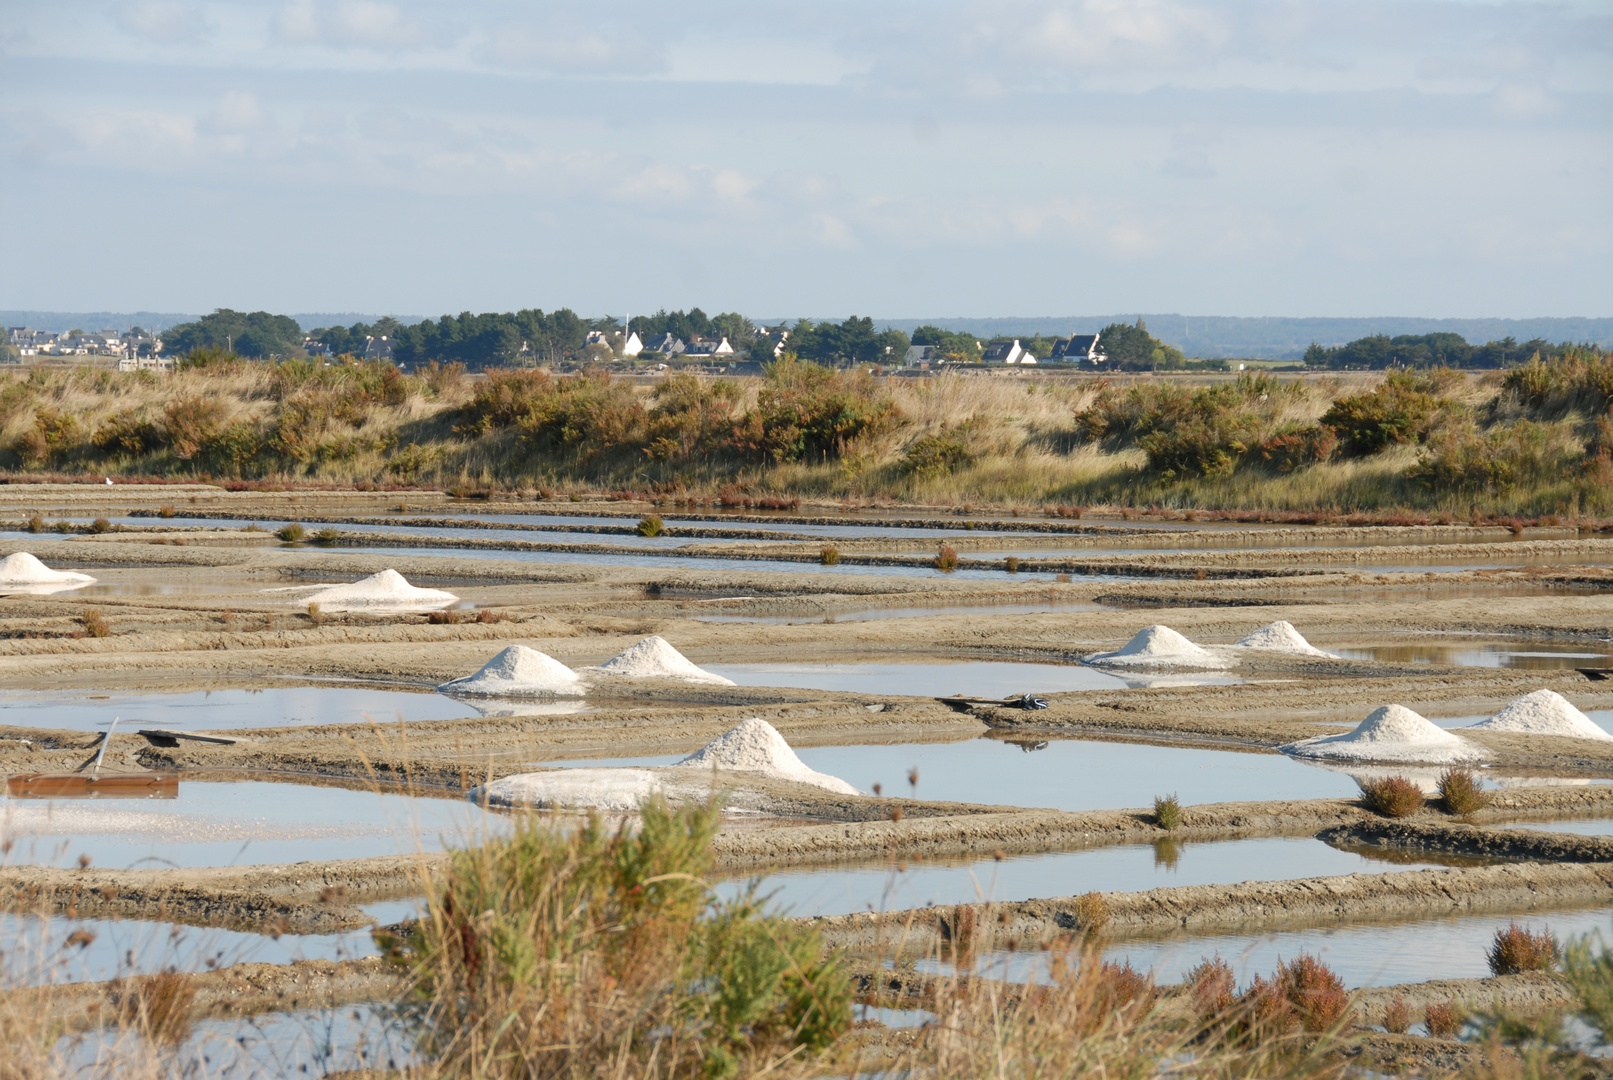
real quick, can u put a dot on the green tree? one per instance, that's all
(255, 334)
(1133, 348)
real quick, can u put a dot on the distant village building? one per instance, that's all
(921, 356)
(667, 344)
(632, 346)
(377, 348)
(1006, 352)
(160, 364)
(1080, 348)
(707, 347)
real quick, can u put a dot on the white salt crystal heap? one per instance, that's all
(1281, 637)
(756, 746)
(386, 589)
(519, 672)
(1544, 712)
(654, 658)
(1390, 733)
(611, 790)
(22, 568)
(1159, 646)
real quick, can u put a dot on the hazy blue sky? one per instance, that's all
(928, 157)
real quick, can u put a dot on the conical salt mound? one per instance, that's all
(1159, 646)
(1390, 733)
(1544, 712)
(379, 590)
(1281, 637)
(756, 746)
(519, 672)
(22, 568)
(654, 658)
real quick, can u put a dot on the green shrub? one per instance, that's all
(291, 534)
(1401, 409)
(828, 555)
(1581, 378)
(692, 416)
(189, 423)
(128, 432)
(1461, 459)
(1167, 812)
(941, 454)
(36, 524)
(569, 950)
(1394, 796)
(805, 411)
(650, 525)
(327, 537)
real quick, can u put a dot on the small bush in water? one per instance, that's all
(1011, 564)
(1516, 950)
(946, 558)
(1393, 796)
(1167, 812)
(1462, 791)
(100, 525)
(292, 533)
(327, 537)
(36, 524)
(651, 525)
(1444, 1019)
(829, 555)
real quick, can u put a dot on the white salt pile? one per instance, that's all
(756, 746)
(1281, 636)
(612, 790)
(379, 590)
(1162, 647)
(654, 658)
(519, 672)
(1544, 712)
(21, 568)
(1390, 733)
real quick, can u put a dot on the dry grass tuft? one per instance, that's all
(1397, 1016)
(828, 555)
(1394, 796)
(94, 624)
(1167, 812)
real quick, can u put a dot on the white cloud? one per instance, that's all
(237, 113)
(164, 21)
(365, 24)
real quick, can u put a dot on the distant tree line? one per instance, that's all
(1381, 351)
(255, 334)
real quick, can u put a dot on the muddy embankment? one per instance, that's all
(1460, 839)
(1251, 906)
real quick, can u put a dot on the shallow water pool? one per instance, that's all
(233, 709)
(37, 951)
(237, 823)
(970, 678)
(1363, 955)
(874, 614)
(1127, 868)
(1491, 654)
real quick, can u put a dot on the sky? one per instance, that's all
(901, 158)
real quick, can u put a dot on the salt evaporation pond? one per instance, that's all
(971, 678)
(237, 823)
(842, 890)
(1491, 654)
(298, 1042)
(232, 709)
(1582, 827)
(875, 614)
(1066, 774)
(36, 950)
(1364, 955)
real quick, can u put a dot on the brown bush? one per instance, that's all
(1215, 988)
(1315, 991)
(189, 423)
(1445, 1019)
(946, 557)
(1462, 791)
(1397, 1017)
(1394, 796)
(829, 555)
(94, 625)
(443, 618)
(1516, 950)
(1091, 912)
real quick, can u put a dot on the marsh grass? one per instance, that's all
(94, 624)
(829, 555)
(292, 533)
(650, 525)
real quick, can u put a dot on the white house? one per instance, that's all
(1080, 348)
(707, 347)
(1007, 352)
(632, 346)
